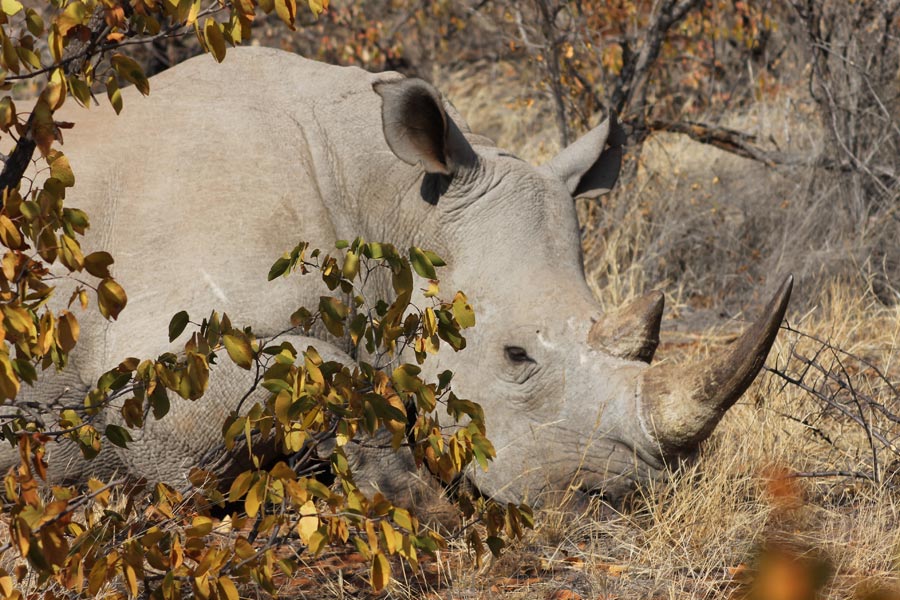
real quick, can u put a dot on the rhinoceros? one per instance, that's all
(198, 188)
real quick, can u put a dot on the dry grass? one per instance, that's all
(716, 233)
(704, 534)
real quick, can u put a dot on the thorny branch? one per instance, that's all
(838, 385)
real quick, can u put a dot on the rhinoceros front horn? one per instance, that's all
(682, 405)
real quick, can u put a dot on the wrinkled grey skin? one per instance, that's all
(198, 188)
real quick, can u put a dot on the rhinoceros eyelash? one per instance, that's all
(517, 354)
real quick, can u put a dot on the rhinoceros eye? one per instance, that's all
(516, 354)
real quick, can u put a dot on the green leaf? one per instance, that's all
(333, 312)
(129, 68)
(159, 401)
(483, 450)
(435, 259)
(177, 324)
(279, 267)
(444, 379)
(80, 90)
(495, 544)
(34, 22)
(421, 263)
(358, 328)
(118, 435)
(406, 378)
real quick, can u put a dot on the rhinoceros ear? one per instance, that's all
(590, 166)
(417, 127)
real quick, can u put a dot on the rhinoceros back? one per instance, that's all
(195, 191)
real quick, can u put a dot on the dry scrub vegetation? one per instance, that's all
(797, 493)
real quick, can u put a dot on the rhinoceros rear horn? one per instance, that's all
(590, 167)
(682, 405)
(418, 129)
(632, 332)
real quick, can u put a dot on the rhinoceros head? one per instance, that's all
(571, 399)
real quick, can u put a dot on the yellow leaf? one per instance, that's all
(463, 312)
(18, 320)
(9, 266)
(43, 129)
(55, 92)
(47, 333)
(71, 256)
(97, 264)
(114, 94)
(7, 113)
(10, 58)
(429, 322)
(68, 330)
(131, 580)
(238, 347)
(73, 16)
(381, 571)
(9, 383)
(255, 498)
(227, 589)
(6, 584)
(10, 7)
(9, 233)
(201, 587)
(111, 298)
(55, 43)
(215, 41)
(192, 13)
(240, 486)
(60, 168)
(351, 265)
(392, 539)
(286, 11)
(309, 521)
(317, 6)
